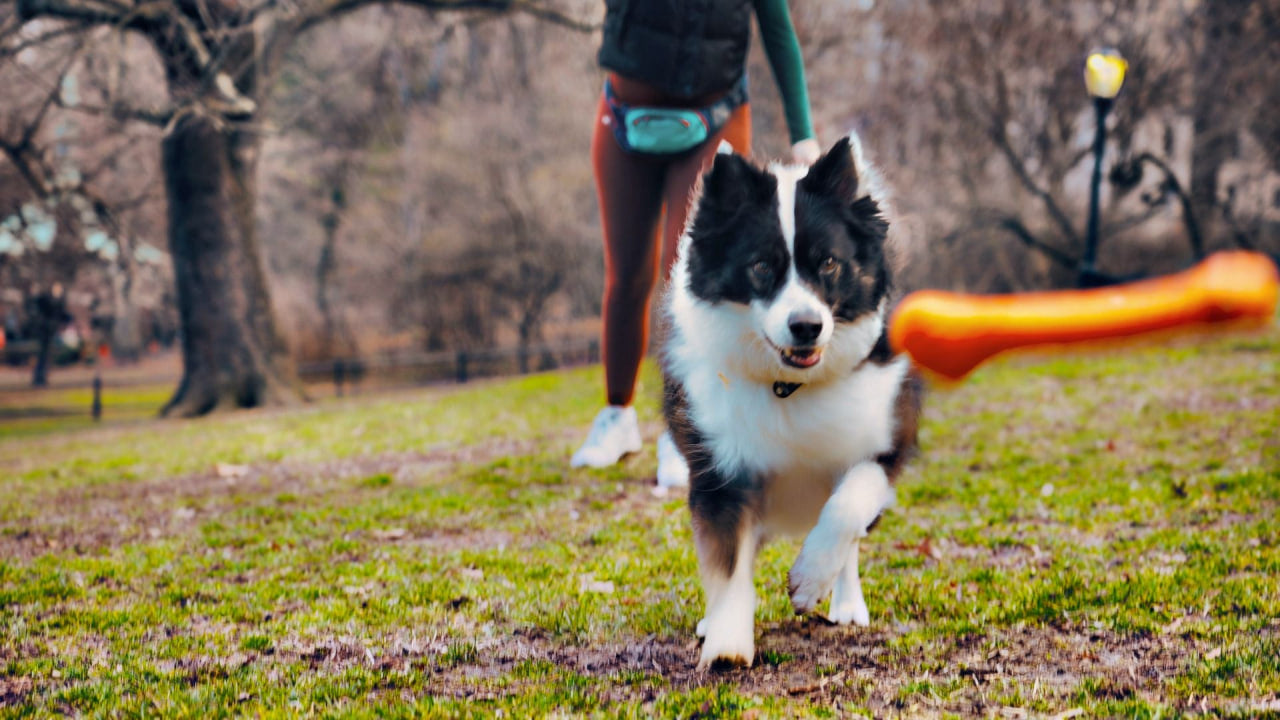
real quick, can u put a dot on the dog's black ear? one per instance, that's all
(733, 182)
(834, 174)
(841, 174)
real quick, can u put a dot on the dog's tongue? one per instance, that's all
(803, 358)
(807, 360)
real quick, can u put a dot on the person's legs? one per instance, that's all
(629, 188)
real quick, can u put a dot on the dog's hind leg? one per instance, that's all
(847, 603)
(858, 499)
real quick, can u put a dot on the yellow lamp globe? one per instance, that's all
(1104, 73)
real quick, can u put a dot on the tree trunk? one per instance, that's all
(338, 342)
(50, 313)
(233, 355)
(126, 335)
(44, 350)
(1215, 125)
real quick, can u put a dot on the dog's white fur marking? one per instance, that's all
(859, 498)
(788, 176)
(729, 627)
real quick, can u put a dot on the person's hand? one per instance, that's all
(806, 152)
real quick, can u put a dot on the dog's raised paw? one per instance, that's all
(807, 590)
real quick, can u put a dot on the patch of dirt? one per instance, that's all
(803, 658)
(14, 690)
(87, 518)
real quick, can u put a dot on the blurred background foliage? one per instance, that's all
(423, 180)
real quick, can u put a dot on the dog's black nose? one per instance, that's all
(806, 325)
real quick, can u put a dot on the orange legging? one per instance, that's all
(636, 191)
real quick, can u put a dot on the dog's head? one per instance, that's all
(796, 256)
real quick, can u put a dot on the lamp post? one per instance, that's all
(1103, 75)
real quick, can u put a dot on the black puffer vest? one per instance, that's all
(685, 48)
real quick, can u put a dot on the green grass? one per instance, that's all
(1093, 533)
(28, 413)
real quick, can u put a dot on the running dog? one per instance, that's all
(780, 387)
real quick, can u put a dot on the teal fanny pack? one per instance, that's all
(661, 131)
(666, 131)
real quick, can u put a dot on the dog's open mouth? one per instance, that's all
(801, 357)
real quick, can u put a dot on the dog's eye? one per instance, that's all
(761, 273)
(829, 266)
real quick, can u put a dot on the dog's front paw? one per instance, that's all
(723, 650)
(810, 582)
(701, 630)
(848, 606)
(729, 629)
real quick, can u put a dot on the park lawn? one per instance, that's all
(1084, 535)
(27, 413)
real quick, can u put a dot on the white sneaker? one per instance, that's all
(614, 433)
(673, 471)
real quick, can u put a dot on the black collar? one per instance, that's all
(784, 389)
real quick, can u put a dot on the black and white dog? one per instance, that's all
(780, 386)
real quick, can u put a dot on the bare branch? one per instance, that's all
(31, 161)
(191, 40)
(1001, 139)
(52, 98)
(10, 26)
(154, 17)
(29, 166)
(995, 116)
(71, 28)
(1015, 227)
(1188, 212)
(108, 159)
(157, 116)
(1127, 223)
(551, 15)
(87, 11)
(325, 9)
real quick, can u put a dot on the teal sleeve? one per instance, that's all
(783, 50)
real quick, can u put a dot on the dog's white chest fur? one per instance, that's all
(823, 428)
(800, 444)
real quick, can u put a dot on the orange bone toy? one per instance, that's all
(952, 333)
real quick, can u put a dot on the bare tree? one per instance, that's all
(334, 111)
(502, 242)
(532, 268)
(1236, 54)
(219, 59)
(1216, 132)
(73, 208)
(978, 110)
